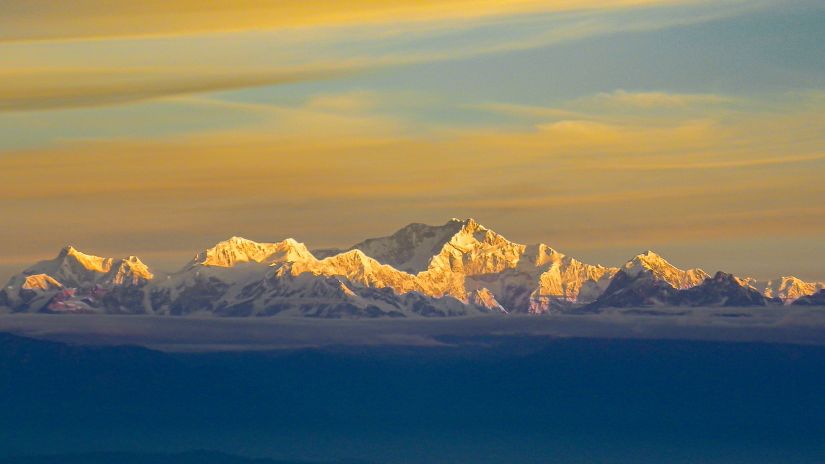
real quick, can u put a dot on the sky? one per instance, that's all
(600, 127)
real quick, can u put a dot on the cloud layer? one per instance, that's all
(601, 127)
(630, 179)
(96, 19)
(151, 50)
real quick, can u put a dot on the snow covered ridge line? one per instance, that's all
(456, 269)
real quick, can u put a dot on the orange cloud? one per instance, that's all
(156, 49)
(39, 89)
(337, 162)
(85, 19)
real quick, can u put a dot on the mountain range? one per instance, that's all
(455, 269)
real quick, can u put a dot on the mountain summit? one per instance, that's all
(66, 280)
(458, 268)
(411, 248)
(663, 270)
(238, 250)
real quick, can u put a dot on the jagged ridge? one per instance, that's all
(458, 268)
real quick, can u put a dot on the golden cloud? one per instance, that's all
(38, 89)
(270, 43)
(303, 169)
(90, 19)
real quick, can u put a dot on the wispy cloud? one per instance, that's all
(96, 19)
(620, 105)
(125, 122)
(714, 164)
(623, 98)
(265, 48)
(28, 90)
(333, 156)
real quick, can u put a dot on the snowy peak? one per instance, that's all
(70, 254)
(472, 233)
(476, 250)
(73, 268)
(785, 288)
(643, 290)
(543, 255)
(412, 248)
(462, 256)
(72, 281)
(469, 225)
(238, 250)
(661, 269)
(358, 268)
(129, 271)
(409, 249)
(566, 279)
(635, 289)
(648, 260)
(456, 268)
(353, 261)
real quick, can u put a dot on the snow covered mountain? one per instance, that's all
(238, 250)
(462, 257)
(663, 270)
(239, 277)
(633, 290)
(72, 281)
(410, 249)
(458, 268)
(646, 288)
(787, 289)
